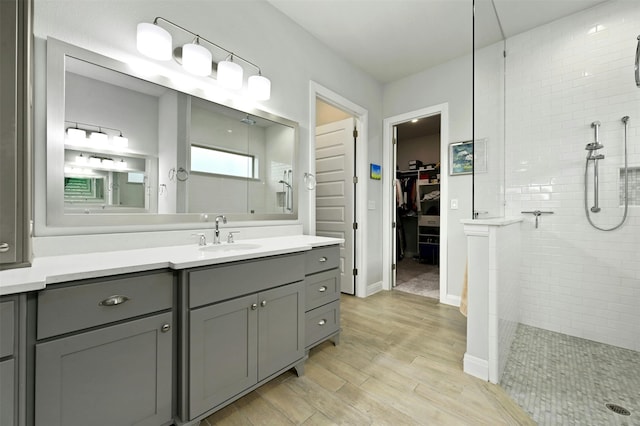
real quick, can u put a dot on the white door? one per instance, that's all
(335, 192)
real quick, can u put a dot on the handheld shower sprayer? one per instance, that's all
(593, 146)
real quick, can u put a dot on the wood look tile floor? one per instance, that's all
(399, 362)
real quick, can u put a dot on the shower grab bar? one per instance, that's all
(638, 63)
(537, 214)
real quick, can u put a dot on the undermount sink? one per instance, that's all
(226, 247)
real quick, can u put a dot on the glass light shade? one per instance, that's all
(121, 164)
(120, 142)
(154, 41)
(95, 161)
(196, 59)
(81, 159)
(230, 74)
(76, 135)
(107, 163)
(259, 87)
(99, 138)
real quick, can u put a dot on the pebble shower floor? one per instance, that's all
(564, 380)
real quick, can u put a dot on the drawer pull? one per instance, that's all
(322, 322)
(263, 303)
(322, 289)
(322, 259)
(254, 306)
(4, 247)
(114, 300)
(165, 328)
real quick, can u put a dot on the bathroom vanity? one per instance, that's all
(169, 338)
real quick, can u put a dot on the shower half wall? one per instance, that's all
(558, 79)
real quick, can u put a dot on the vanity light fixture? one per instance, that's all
(96, 136)
(81, 159)
(197, 60)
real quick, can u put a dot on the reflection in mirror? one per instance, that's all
(126, 150)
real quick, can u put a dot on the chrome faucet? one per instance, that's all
(216, 232)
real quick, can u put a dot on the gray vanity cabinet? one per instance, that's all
(105, 352)
(322, 295)
(246, 324)
(11, 339)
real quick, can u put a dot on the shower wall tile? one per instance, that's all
(576, 279)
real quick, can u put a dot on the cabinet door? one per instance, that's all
(118, 375)
(7, 393)
(222, 352)
(280, 328)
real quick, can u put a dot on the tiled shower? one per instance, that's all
(536, 106)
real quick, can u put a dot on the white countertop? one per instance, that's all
(493, 221)
(57, 269)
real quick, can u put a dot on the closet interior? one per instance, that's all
(418, 206)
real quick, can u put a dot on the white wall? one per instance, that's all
(287, 54)
(575, 279)
(447, 83)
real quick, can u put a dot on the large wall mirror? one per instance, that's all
(125, 150)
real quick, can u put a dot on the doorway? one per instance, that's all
(417, 204)
(353, 216)
(439, 251)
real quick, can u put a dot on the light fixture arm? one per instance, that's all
(77, 123)
(200, 38)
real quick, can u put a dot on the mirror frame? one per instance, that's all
(56, 53)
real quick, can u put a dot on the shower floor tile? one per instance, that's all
(564, 380)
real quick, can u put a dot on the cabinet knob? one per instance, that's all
(322, 259)
(263, 303)
(254, 306)
(114, 300)
(322, 289)
(4, 247)
(165, 328)
(322, 322)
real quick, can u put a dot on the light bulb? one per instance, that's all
(120, 141)
(196, 59)
(76, 135)
(98, 138)
(154, 41)
(230, 74)
(259, 87)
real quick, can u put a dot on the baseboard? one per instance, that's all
(374, 288)
(450, 300)
(476, 367)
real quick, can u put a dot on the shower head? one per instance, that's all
(248, 120)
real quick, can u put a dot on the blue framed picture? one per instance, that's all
(376, 171)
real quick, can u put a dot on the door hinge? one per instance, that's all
(393, 266)
(393, 224)
(355, 271)
(395, 141)
(355, 179)
(355, 225)
(355, 133)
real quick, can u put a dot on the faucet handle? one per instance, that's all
(203, 238)
(230, 236)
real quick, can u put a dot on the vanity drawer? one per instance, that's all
(214, 284)
(321, 288)
(322, 322)
(7, 327)
(67, 309)
(321, 259)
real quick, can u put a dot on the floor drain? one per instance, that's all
(618, 409)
